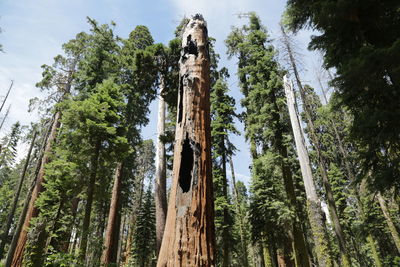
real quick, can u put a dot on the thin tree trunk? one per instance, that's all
(226, 230)
(5, 98)
(89, 201)
(68, 233)
(321, 161)
(4, 118)
(112, 232)
(239, 211)
(33, 211)
(121, 240)
(389, 221)
(315, 214)
(16, 198)
(189, 238)
(161, 171)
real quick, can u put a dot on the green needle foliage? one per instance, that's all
(273, 201)
(222, 124)
(361, 41)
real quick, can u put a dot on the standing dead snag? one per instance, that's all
(189, 238)
(314, 210)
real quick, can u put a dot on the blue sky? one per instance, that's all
(34, 30)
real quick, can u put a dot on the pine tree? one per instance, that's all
(143, 249)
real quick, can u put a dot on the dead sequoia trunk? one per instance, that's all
(189, 238)
(112, 232)
(315, 214)
(32, 211)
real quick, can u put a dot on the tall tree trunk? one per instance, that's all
(389, 221)
(16, 198)
(33, 211)
(18, 229)
(315, 213)
(239, 212)
(226, 230)
(21, 219)
(112, 232)
(189, 238)
(67, 234)
(161, 171)
(122, 240)
(300, 248)
(321, 160)
(94, 162)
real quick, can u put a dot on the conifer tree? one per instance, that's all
(315, 213)
(351, 36)
(266, 124)
(17, 193)
(57, 81)
(143, 249)
(222, 124)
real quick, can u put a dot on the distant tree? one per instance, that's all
(144, 245)
(222, 124)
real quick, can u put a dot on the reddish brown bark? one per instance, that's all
(10, 216)
(32, 210)
(112, 231)
(189, 238)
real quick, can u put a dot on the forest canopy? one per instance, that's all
(83, 185)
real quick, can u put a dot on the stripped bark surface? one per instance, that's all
(337, 227)
(315, 214)
(161, 171)
(189, 238)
